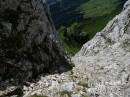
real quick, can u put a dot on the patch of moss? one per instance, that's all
(78, 89)
(83, 84)
(64, 93)
(129, 50)
(109, 41)
(18, 91)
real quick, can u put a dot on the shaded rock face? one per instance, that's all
(28, 44)
(105, 59)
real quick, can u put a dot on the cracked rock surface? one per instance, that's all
(28, 41)
(105, 59)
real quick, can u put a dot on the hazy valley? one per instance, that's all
(78, 21)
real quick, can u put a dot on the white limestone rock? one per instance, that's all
(105, 59)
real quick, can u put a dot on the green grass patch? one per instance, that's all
(72, 47)
(18, 91)
(97, 8)
(64, 93)
(91, 26)
(83, 84)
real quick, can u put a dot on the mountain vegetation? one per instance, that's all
(78, 21)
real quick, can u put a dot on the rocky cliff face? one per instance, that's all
(105, 60)
(28, 42)
(102, 67)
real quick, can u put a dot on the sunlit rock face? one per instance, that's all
(28, 41)
(105, 59)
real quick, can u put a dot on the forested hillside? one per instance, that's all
(78, 21)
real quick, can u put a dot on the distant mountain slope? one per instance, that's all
(64, 11)
(69, 10)
(100, 7)
(84, 13)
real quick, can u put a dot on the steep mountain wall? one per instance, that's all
(28, 42)
(105, 60)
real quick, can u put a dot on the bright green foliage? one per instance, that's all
(71, 37)
(64, 93)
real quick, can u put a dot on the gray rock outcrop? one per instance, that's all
(105, 60)
(102, 66)
(28, 41)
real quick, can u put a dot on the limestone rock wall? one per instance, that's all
(105, 60)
